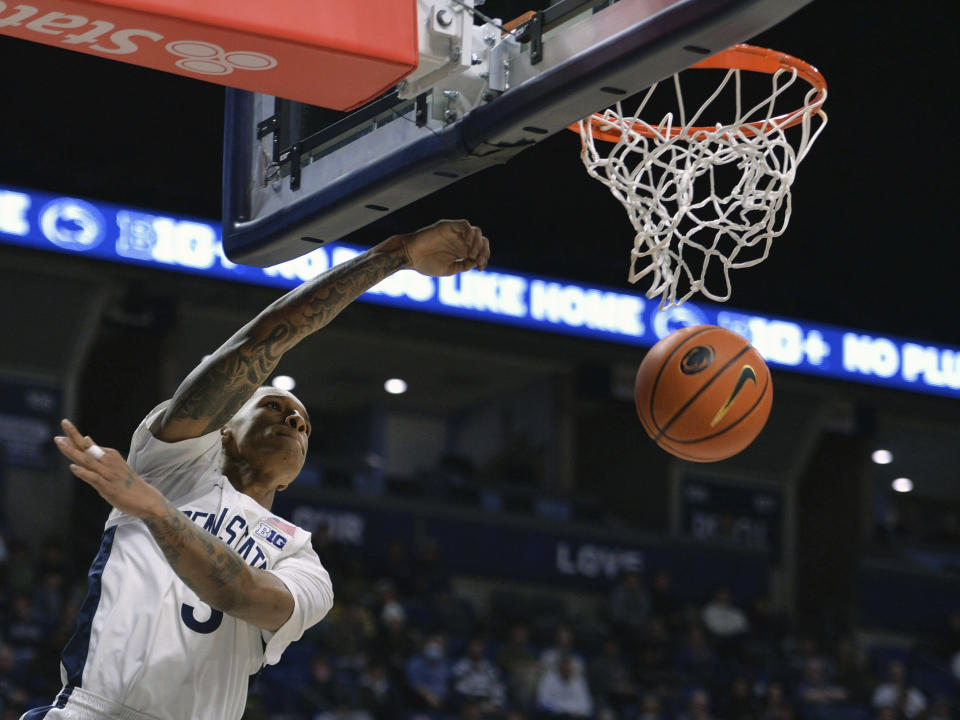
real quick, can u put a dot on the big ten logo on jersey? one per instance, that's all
(102, 36)
(272, 534)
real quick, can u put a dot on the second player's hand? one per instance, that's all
(108, 473)
(445, 248)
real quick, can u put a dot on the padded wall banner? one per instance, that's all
(528, 553)
(337, 53)
(29, 415)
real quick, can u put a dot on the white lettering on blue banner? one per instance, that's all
(13, 213)
(107, 232)
(596, 561)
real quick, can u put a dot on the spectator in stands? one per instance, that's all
(737, 702)
(655, 671)
(816, 688)
(611, 680)
(351, 633)
(428, 675)
(395, 642)
(800, 649)
(650, 708)
(21, 574)
(471, 710)
(695, 658)
(663, 602)
(520, 665)
(775, 706)
(887, 713)
(476, 680)
(319, 692)
(562, 647)
(562, 691)
(657, 634)
(851, 671)
(940, 709)
(396, 566)
(23, 630)
(896, 693)
(698, 706)
(52, 556)
(49, 596)
(768, 628)
(343, 712)
(330, 551)
(629, 605)
(354, 580)
(377, 692)
(946, 644)
(722, 618)
(384, 593)
(13, 693)
(430, 576)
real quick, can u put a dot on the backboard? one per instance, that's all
(296, 177)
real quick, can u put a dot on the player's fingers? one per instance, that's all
(83, 443)
(71, 430)
(484, 256)
(68, 448)
(460, 228)
(88, 476)
(459, 266)
(476, 243)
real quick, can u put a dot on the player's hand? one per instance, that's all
(107, 472)
(447, 247)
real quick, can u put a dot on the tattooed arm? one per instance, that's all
(218, 576)
(222, 383)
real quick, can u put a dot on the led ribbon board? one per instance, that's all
(108, 232)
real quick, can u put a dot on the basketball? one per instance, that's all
(703, 393)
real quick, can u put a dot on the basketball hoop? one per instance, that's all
(698, 195)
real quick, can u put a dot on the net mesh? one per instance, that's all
(704, 200)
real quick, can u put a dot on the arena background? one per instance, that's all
(512, 484)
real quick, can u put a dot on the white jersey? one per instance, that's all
(145, 645)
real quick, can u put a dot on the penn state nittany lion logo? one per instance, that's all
(697, 359)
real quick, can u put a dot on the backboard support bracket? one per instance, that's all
(399, 149)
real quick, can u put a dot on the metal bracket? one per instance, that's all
(265, 127)
(535, 30)
(294, 158)
(421, 109)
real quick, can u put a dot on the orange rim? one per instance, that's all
(518, 21)
(738, 57)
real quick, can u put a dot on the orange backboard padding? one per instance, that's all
(337, 54)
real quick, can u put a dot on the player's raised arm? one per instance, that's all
(222, 383)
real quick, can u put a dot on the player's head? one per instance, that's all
(269, 434)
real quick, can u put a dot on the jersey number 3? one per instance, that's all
(200, 626)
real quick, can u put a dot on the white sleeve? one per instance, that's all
(175, 468)
(309, 583)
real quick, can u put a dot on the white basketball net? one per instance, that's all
(686, 220)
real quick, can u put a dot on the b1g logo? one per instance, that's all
(270, 535)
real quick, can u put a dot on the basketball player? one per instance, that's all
(197, 584)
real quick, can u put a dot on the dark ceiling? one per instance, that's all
(871, 240)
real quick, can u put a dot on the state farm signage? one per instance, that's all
(298, 49)
(102, 36)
